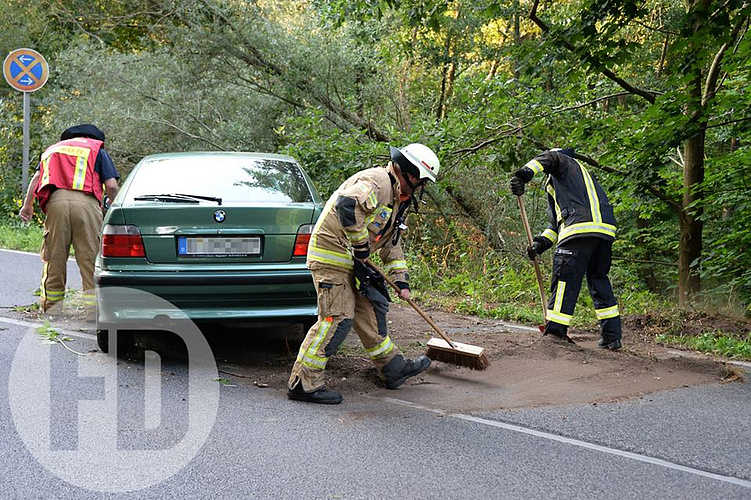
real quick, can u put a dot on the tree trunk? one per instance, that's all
(445, 79)
(690, 245)
(689, 251)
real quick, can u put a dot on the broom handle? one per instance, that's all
(414, 306)
(540, 284)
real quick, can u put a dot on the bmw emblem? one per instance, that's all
(219, 216)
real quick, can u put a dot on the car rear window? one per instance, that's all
(231, 179)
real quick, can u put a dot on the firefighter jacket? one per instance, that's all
(69, 164)
(360, 218)
(577, 204)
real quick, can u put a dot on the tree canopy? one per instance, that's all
(653, 95)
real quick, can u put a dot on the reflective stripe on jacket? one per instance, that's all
(69, 164)
(369, 202)
(577, 204)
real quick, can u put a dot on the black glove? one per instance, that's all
(517, 186)
(366, 276)
(535, 250)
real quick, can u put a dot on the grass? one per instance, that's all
(505, 288)
(714, 342)
(18, 236)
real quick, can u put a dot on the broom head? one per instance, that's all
(469, 356)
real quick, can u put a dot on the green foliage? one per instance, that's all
(714, 342)
(331, 82)
(19, 236)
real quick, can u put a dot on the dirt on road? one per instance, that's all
(526, 369)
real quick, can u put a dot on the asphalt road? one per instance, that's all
(85, 426)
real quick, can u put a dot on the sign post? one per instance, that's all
(25, 70)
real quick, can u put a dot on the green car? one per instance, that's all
(218, 236)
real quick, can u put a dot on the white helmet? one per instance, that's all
(418, 160)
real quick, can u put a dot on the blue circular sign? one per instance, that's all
(25, 70)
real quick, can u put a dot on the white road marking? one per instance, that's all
(576, 442)
(20, 252)
(34, 254)
(27, 324)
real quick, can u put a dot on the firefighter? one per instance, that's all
(69, 184)
(583, 226)
(366, 214)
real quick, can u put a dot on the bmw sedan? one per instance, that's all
(214, 236)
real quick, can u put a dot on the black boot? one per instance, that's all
(322, 395)
(398, 370)
(611, 344)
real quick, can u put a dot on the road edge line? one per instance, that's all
(577, 442)
(27, 324)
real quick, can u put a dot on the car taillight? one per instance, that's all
(302, 240)
(122, 241)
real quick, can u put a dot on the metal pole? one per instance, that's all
(25, 172)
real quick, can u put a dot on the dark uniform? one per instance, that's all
(583, 226)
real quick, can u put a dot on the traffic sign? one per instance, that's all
(25, 70)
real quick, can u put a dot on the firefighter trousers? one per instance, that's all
(341, 307)
(73, 218)
(573, 259)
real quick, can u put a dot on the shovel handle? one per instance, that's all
(540, 284)
(414, 306)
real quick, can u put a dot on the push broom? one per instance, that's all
(536, 262)
(444, 349)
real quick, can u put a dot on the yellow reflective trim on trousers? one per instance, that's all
(550, 234)
(534, 165)
(594, 200)
(381, 349)
(396, 265)
(309, 357)
(560, 318)
(89, 299)
(55, 293)
(587, 227)
(42, 291)
(560, 290)
(608, 312)
(79, 178)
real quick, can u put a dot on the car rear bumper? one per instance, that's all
(287, 294)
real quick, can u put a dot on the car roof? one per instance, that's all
(218, 154)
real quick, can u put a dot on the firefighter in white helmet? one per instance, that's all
(366, 214)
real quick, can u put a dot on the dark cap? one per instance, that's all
(85, 130)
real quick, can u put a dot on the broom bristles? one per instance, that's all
(465, 355)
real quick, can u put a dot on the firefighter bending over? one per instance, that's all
(366, 214)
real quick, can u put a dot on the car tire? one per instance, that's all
(125, 342)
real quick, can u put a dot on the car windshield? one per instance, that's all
(233, 179)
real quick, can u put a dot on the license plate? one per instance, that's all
(219, 247)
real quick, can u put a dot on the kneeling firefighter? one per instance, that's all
(365, 214)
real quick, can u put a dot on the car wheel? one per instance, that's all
(125, 342)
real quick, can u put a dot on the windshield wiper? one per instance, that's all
(178, 197)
